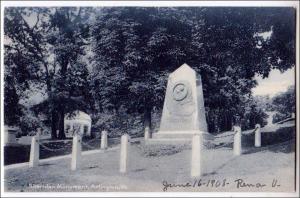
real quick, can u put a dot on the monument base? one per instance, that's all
(176, 137)
(168, 141)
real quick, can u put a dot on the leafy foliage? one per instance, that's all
(118, 123)
(136, 48)
(45, 48)
(30, 122)
(113, 62)
(284, 103)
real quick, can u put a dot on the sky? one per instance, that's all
(276, 82)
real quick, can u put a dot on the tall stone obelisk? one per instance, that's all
(183, 112)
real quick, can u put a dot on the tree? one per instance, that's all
(131, 48)
(136, 48)
(12, 108)
(46, 46)
(284, 103)
(122, 57)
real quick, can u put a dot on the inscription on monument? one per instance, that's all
(180, 91)
(183, 104)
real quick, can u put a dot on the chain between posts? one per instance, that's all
(235, 133)
(92, 140)
(262, 149)
(88, 146)
(251, 131)
(269, 146)
(223, 145)
(56, 141)
(42, 144)
(51, 149)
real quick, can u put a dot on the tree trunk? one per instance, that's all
(230, 122)
(61, 134)
(53, 124)
(226, 123)
(147, 118)
(217, 121)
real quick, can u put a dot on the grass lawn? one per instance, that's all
(169, 172)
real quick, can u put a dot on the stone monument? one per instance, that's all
(10, 135)
(183, 111)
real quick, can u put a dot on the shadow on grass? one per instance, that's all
(139, 170)
(283, 140)
(209, 174)
(215, 171)
(90, 167)
(224, 145)
(14, 154)
(47, 164)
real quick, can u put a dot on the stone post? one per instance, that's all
(10, 135)
(104, 140)
(237, 144)
(81, 130)
(76, 152)
(124, 153)
(257, 136)
(34, 151)
(147, 133)
(196, 155)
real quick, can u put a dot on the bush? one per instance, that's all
(118, 123)
(29, 123)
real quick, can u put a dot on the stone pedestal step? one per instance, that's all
(168, 141)
(180, 135)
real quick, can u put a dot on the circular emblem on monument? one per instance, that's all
(180, 91)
